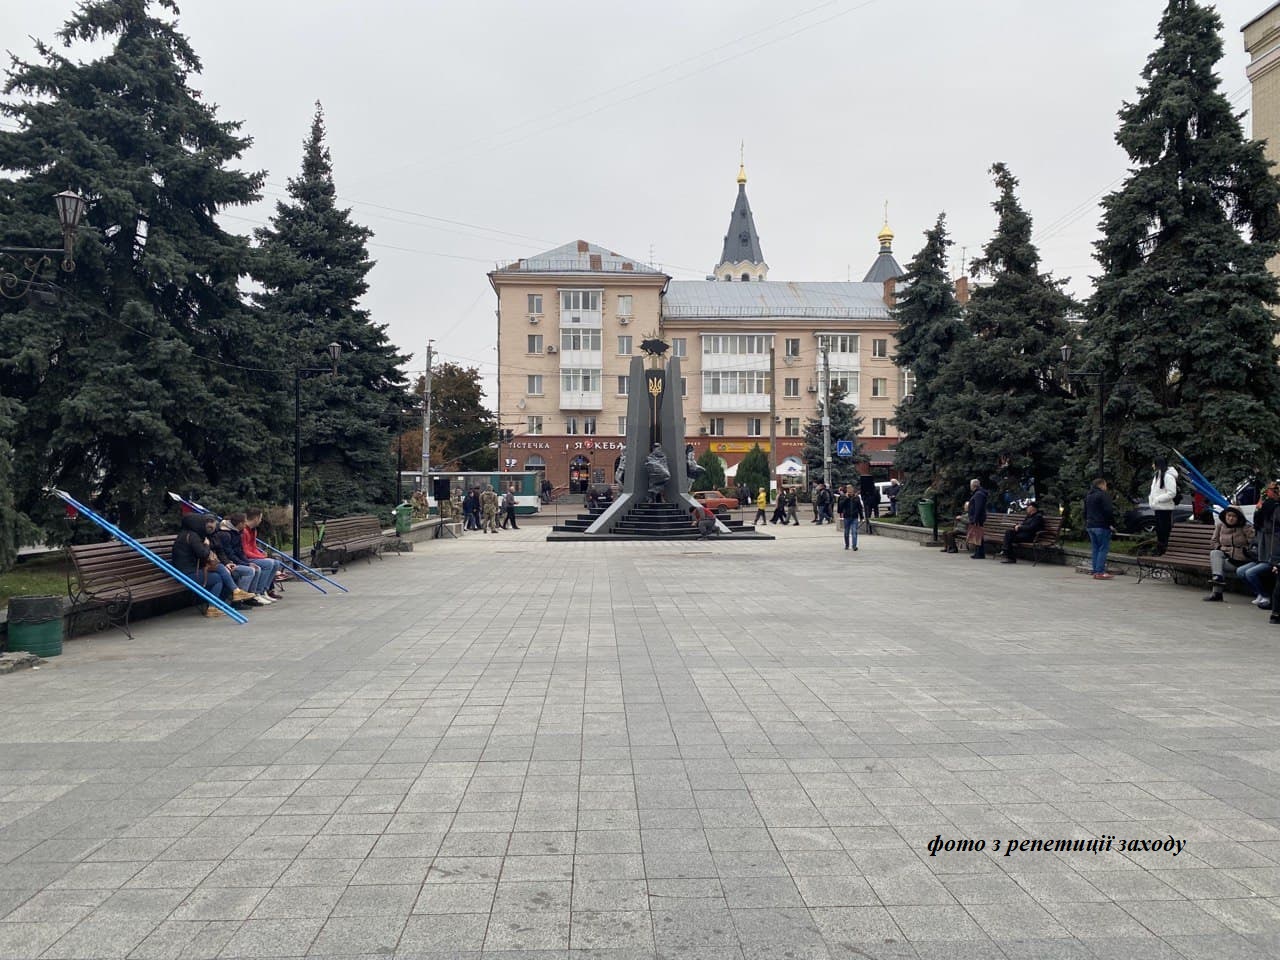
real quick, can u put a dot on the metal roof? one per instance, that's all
(774, 298)
(741, 243)
(884, 268)
(579, 256)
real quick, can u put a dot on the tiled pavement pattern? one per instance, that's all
(630, 750)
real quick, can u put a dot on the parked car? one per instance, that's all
(1142, 519)
(715, 500)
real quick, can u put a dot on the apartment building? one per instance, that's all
(570, 319)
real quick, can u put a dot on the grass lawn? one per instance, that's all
(40, 577)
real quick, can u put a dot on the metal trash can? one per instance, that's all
(404, 518)
(35, 625)
(927, 516)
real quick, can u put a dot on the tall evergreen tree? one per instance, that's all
(713, 477)
(753, 470)
(1006, 417)
(846, 424)
(1179, 322)
(929, 327)
(134, 384)
(313, 263)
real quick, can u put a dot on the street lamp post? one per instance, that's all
(1098, 377)
(335, 351)
(71, 207)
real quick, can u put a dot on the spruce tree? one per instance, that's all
(753, 470)
(1179, 321)
(929, 326)
(846, 424)
(1005, 416)
(134, 383)
(313, 263)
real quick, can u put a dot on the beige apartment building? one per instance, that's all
(570, 319)
(1262, 43)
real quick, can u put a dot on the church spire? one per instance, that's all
(885, 266)
(741, 258)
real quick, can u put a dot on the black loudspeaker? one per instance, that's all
(867, 486)
(439, 488)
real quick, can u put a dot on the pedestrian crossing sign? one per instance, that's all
(844, 448)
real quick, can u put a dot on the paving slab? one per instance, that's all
(500, 746)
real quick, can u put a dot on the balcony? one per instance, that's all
(581, 400)
(735, 402)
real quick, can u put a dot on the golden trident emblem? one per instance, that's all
(655, 386)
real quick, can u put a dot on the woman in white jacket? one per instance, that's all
(1164, 491)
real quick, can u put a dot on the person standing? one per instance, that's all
(849, 507)
(977, 518)
(1099, 521)
(871, 504)
(892, 492)
(509, 508)
(1163, 497)
(762, 501)
(779, 511)
(792, 505)
(489, 508)
(1230, 548)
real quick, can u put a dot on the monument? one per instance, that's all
(654, 469)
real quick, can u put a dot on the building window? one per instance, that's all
(624, 305)
(879, 427)
(534, 425)
(792, 426)
(622, 426)
(535, 304)
(623, 381)
(735, 343)
(589, 426)
(728, 382)
(842, 343)
(793, 346)
(791, 387)
(753, 426)
(580, 379)
(679, 347)
(580, 300)
(880, 348)
(879, 387)
(571, 426)
(850, 382)
(684, 386)
(580, 339)
(717, 427)
(624, 346)
(535, 343)
(535, 385)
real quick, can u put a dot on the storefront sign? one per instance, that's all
(595, 445)
(736, 447)
(528, 445)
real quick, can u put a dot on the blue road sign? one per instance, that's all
(844, 448)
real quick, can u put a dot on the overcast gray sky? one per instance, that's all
(531, 124)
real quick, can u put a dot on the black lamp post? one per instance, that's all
(1097, 376)
(335, 351)
(71, 207)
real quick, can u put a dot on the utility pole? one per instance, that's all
(426, 421)
(773, 414)
(826, 411)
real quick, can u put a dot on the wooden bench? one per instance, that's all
(1187, 552)
(348, 537)
(109, 578)
(1047, 539)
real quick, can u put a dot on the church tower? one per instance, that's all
(741, 258)
(885, 266)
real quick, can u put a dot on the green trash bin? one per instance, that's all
(35, 625)
(927, 516)
(404, 518)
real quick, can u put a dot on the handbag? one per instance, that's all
(974, 534)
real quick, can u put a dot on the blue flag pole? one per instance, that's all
(263, 545)
(1201, 482)
(159, 561)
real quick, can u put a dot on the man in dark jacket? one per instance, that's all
(192, 554)
(849, 507)
(1030, 527)
(1099, 519)
(978, 517)
(229, 546)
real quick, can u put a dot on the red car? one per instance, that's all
(715, 500)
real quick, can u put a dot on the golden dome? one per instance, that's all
(885, 236)
(742, 173)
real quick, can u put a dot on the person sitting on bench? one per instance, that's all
(1031, 526)
(193, 556)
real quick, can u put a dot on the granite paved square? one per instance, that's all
(503, 747)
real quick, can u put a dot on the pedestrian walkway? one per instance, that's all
(503, 747)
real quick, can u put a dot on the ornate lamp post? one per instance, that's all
(17, 284)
